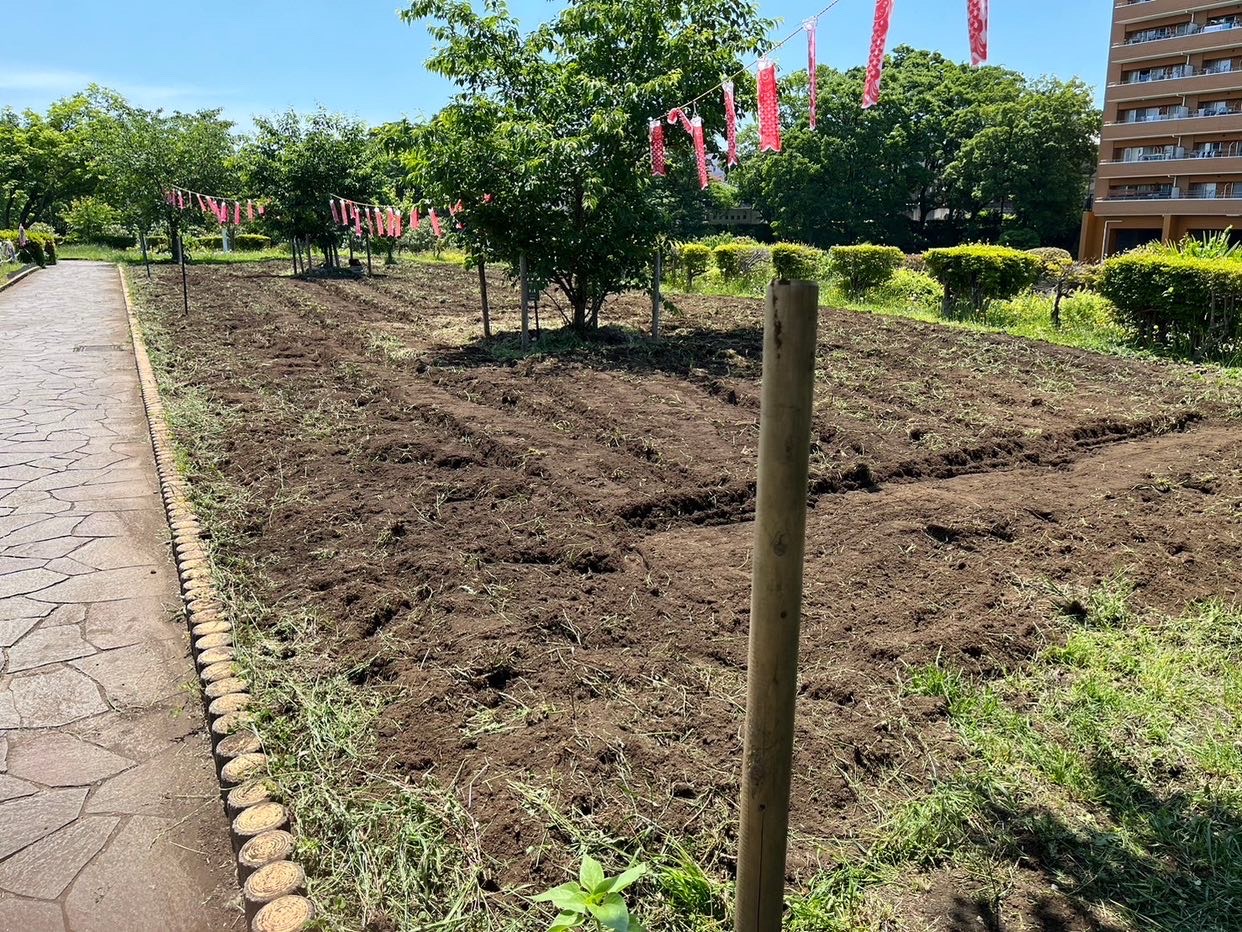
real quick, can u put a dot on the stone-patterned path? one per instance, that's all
(109, 812)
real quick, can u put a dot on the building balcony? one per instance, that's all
(1164, 205)
(1176, 42)
(1188, 165)
(1184, 85)
(1138, 11)
(1175, 124)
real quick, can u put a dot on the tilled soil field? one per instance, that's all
(550, 554)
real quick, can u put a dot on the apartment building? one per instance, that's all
(1171, 144)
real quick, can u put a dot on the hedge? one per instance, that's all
(975, 275)
(795, 261)
(694, 258)
(1181, 301)
(740, 261)
(864, 267)
(40, 247)
(242, 241)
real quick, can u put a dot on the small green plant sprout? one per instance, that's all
(594, 897)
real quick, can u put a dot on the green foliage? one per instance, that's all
(88, 219)
(975, 275)
(944, 137)
(1052, 255)
(1019, 238)
(40, 248)
(594, 899)
(912, 289)
(299, 161)
(797, 261)
(741, 261)
(863, 267)
(1177, 302)
(240, 241)
(556, 120)
(693, 259)
(1210, 246)
(45, 161)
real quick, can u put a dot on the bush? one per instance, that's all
(915, 262)
(693, 258)
(89, 220)
(911, 289)
(863, 267)
(252, 241)
(114, 239)
(795, 261)
(40, 247)
(975, 275)
(741, 261)
(1052, 255)
(1185, 303)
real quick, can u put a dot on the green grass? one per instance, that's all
(1087, 321)
(1112, 764)
(200, 257)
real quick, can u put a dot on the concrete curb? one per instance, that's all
(20, 276)
(259, 826)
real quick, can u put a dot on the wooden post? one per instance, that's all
(146, 259)
(487, 311)
(525, 300)
(185, 287)
(776, 600)
(366, 237)
(656, 300)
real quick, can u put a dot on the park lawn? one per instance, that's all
(494, 604)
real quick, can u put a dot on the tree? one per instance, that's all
(141, 154)
(300, 162)
(45, 162)
(546, 146)
(1035, 157)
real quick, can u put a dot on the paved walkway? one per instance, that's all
(109, 813)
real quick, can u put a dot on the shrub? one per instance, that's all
(741, 260)
(975, 275)
(911, 289)
(251, 241)
(89, 219)
(915, 262)
(863, 267)
(694, 258)
(1052, 255)
(115, 238)
(795, 261)
(40, 247)
(1182, 302)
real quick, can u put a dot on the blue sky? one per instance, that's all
(358, 57)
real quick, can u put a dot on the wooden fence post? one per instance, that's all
(525, 300)
(656, 299)
(487, 311)
(786, 402)
(185, 285)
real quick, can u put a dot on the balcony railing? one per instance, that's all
(1230, 150)
(1177, 113)
(1224, 194)
(1180, 31)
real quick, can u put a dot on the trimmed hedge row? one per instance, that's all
(739, 261)
(974, 275)
(1180, 301)
(40, 248)
(861, 268)
(795, 261)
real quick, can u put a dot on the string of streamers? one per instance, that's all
(977, 13)
(226, 210)
(879, 41)
(388, 221)
(659, 164)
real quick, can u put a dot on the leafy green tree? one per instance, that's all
(45, 162)
(299, 162)
(141, 154)
(1034, 158)
(547, 143)
(88, 219)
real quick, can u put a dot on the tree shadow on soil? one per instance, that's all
(734, 352)
(1171, 864)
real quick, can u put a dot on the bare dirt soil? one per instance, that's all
(551, 553)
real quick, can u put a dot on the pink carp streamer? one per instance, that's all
(879, 41)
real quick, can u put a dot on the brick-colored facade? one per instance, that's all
(1171, 144)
